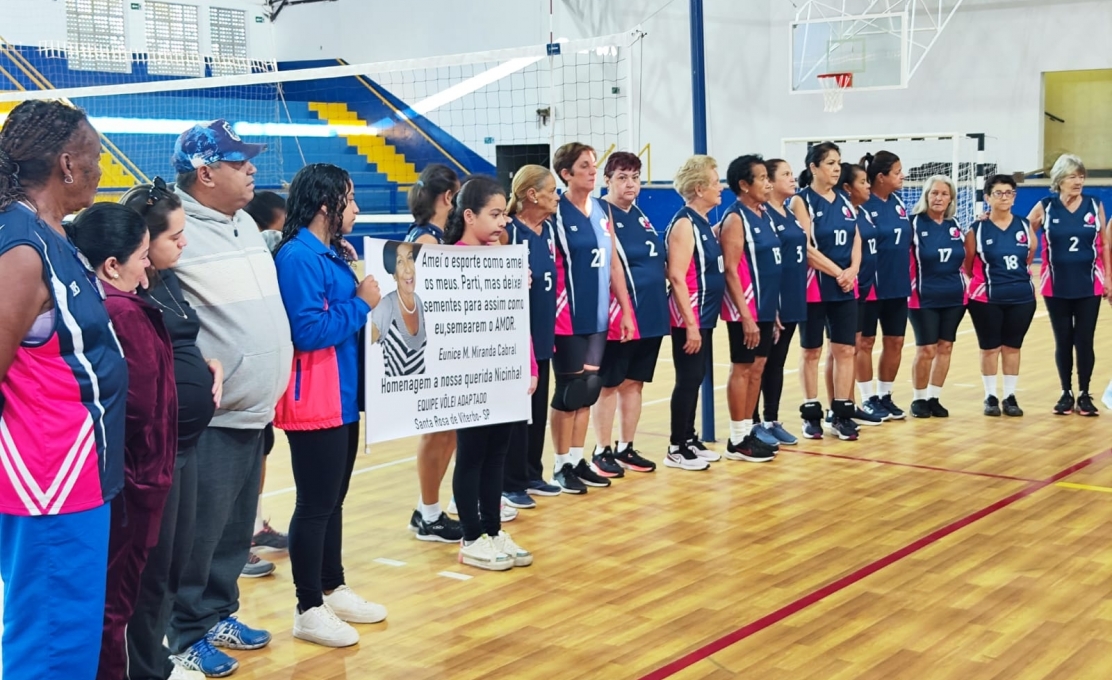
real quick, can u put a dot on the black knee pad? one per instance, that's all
(571, 391)
(594, 386)
(842, 408)
(811, 410)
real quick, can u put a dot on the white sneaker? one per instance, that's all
(351, 608)
(703, 452)
(508, 514)
(484, 555)
(684, 459)
(180, 673)
(321, 626)
(503, 543)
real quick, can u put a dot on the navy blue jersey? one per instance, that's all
(937, 253)
(583, 250)
(1071, 265)
(641, 253)
(893, 246)
(760, 267)
(793, 269)
(416, 231)
(866, 274)
(1000, 271)
(542, 289)
(833, 226)
(706, 279)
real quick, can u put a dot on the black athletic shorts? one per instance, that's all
(573, 352)
(936, 323)
(892, 315)
(633, 360)
(1000, 325)
(739, 353)
(838, 318)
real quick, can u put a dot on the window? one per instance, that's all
(95, 36)
(173, 44)
(228, 32)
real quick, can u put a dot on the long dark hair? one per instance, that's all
(154, 202)
(880, 163)
(815, 156)
(474, 195)
(31, 140)
(314, 186)
(435, 179)
(849, 174)
(106, 230)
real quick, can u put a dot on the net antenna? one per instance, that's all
(834, 86)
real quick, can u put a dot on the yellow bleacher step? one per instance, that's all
(372, 147)
(113, 175)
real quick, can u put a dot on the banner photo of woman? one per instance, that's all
(448, 344)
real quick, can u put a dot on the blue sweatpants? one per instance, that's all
(54, 570)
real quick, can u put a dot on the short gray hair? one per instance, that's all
(186, 180)
(1066, 165)
(922, 204)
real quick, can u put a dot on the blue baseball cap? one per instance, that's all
(208, 143)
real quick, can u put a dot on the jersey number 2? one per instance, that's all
(596, 257)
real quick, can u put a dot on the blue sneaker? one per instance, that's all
(783, 436)
(518, 499)
(764, 436)
(874, 407)
(539, 487)
(204, 658)
(232, 634)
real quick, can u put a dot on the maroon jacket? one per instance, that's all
(151, 432)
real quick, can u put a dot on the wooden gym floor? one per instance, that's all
(964, 548)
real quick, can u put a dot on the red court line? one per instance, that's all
(822, 593)
(913, 465)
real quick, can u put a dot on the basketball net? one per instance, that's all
(834, 86)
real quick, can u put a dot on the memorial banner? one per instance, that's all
(447, 347)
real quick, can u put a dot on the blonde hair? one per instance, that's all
(526, 178)
(692, 175)
(1067, 164)
(923, 204)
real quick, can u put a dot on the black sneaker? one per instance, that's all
(1064, 407)
(1085, 405)
(750, 449)
(631, 459)
(894, 411)
(415, 521)
(920, 409)
(443, 530)
(1011, 408)
(937, 409)
(605, 465)
(843, 428)
(567, 480)
(588, 476)
(992, 406)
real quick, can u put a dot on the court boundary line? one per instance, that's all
(917, 466)
(709, 649)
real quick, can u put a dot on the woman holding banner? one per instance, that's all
(479, 219)
(327, 308)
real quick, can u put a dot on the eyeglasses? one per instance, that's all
(1003, 194)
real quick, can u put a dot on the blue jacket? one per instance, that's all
(326, 317)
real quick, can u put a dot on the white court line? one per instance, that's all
(389, 562)
(452, 574)
(288, 489)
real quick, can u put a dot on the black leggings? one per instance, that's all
(690, 371)
(1074, 323)
(772, 380)
(322, 464)
(477, 481)
(523, 460)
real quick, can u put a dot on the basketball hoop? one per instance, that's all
(834, 86)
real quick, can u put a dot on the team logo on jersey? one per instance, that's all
(605, 224)
(955, 233)
(988, 242)
(847, 212)
(75, 288)
(900, 211)
(1090, 220)
(644, 221)
(574, 228)
(1021, 237)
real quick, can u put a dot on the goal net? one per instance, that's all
(961, 157)
(481, 112)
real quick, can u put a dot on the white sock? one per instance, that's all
(562, 459)
(1009, 384)
(934, 391)
(918, 394)
(622, 446)
(576, 455)
(599, 448)
(429, 513)
(736, 431)
(866, 389)
(884, 388)
(990, 385)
